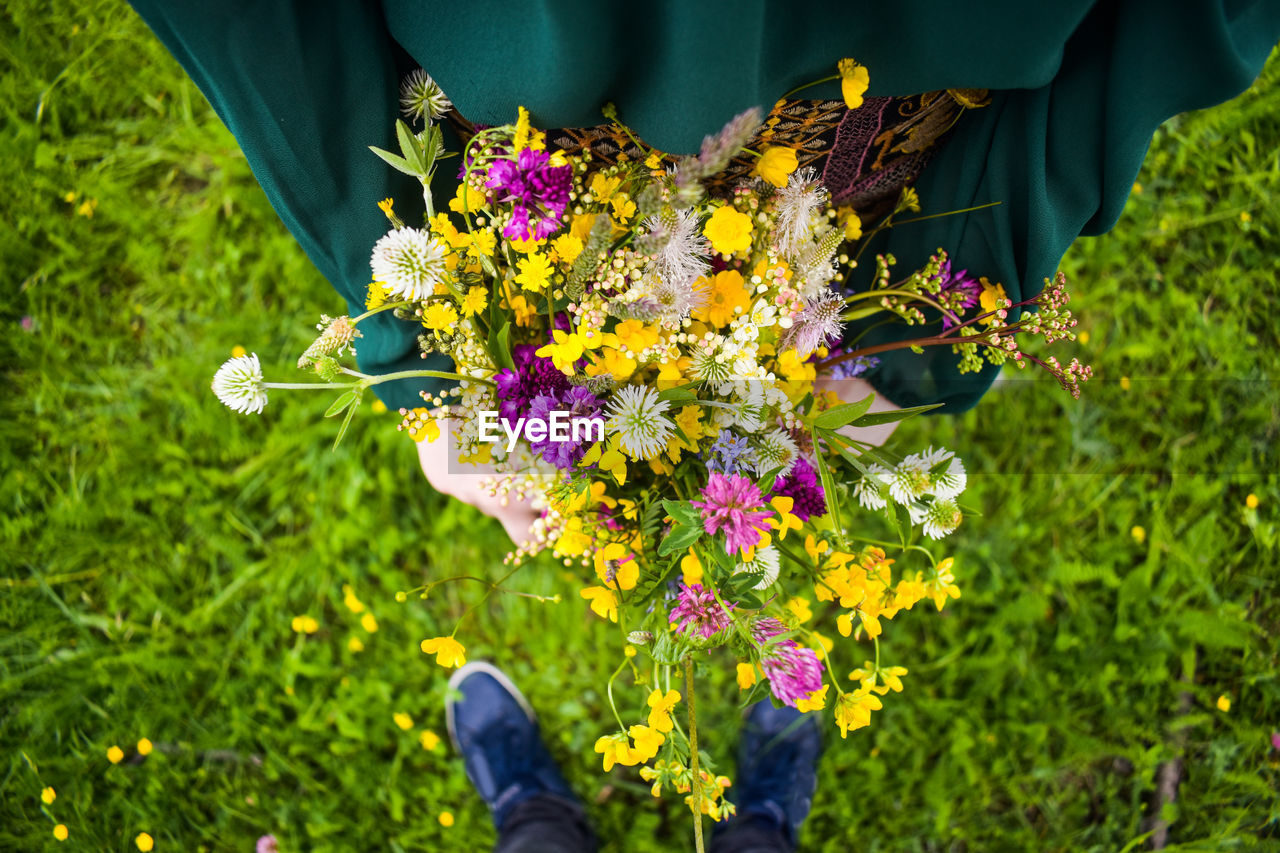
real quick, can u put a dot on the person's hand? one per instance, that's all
(851, 391)
(434, 456)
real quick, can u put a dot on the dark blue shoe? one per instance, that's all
(778, 754)
(494, 730)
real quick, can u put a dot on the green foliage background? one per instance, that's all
(155, 547)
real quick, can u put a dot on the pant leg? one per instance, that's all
(750, 833)
(545, 823)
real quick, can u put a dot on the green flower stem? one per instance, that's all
(870, 294)
(608, 689)
(412, 374)
(386, 306)
(810, 85)
(949, 213)
(695, 782)
(554, 599)
(308, 386)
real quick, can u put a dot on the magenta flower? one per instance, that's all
(698, 611)
(958, 288)
(537, 191)
(802, 486)
(267, 844)
(793, 671)
(733, 504)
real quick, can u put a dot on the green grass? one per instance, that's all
(155, 547)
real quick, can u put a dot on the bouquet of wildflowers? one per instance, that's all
(652, 366)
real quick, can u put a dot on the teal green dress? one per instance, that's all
(1078, 88)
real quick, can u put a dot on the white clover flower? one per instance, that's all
(937, 518)
(409, 262)
(818, 323)
(238, 384)
(910, 480)
(950, 481)
(775, 449)
(766, 563)
(872, 490)
(422, 97)
(636, 416)
(708, 362)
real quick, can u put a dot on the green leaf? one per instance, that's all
(748, 600)
(409, 148)
(683, 512)
(680, 538)
(340, 404)
(766, 482)
(829, 486)
(838, 416)
(680, 395)
(346, 422)
(500, 346)
(876, 418)
(398, 163)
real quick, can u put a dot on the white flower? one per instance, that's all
(676, 299)
(410, 262)
(238, 384)
(950, 481)
(937, 518)
(636, 416)
(775, 449)
(872, 488)
(797, 203)
(683, 253)
(765, 563)
(910, 480)
(422, 97)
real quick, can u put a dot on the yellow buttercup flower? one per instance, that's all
(115, 754)
(726, 297)
(728, 231)
(942, 585)
(145, 746)
(1139, 533)
(564, 351)
(355, 644)
(776, 164)
(483, 242)
(746, 676)
(446, 819)
(48, 795)
(468, 199)
(691, 568)
(635, 335)
(623, 208)
(1224, 703)
(145, 842)
(448, 651)
(854, 81)
(525, 136)
(604, 186)
(990, 299)
(60, 832)
(369, 623)
(617, 559)
(402, 720)
(613, 363)
(567, 248)
(430, 740)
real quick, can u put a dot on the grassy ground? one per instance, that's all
(155, 548)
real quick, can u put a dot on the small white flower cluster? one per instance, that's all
(926, 483)
(238, 384)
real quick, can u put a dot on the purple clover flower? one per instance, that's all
(793, 671)
(802, 486)
(698, 612)
(733, 504)
(537, 191)
(532, 376)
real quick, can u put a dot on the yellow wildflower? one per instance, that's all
(567, 247)
(349, 599)
(475, 301)
(355, 644)
(440, 316)
(1224, 703)
(430, 740)
(613, 363)
(1251, 501)
(785, 520)
(448, 651)
(535, 272)
(852, 227)
(524, 311)
(468, 199)
(647, 740)
(483, 242)
(815, 701)
(48, 795)
(387, 206)
(145, 842)
(115, 754)
(617, 559)
(635, 335)
(446, 819)
(564, 350)
(1139, 533)
(369, 623)
(304, 625)
(60, 832)
(525, 136)
(854, 81)
(746, 676)
(402, 720)
(691, 569)
(629, 651)
(87, 207)
(800, 609)
(145, 746)
(726, 295)
(776, 164)
(728, 231)
(604, 186)
(526, 245)
(604, 603)
(580, 227)
(653, 161)
(942, 585)
(853, 710)
(1125, 384)
(991, 298)
(660, 706)
(623, 208)
(616, 749)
